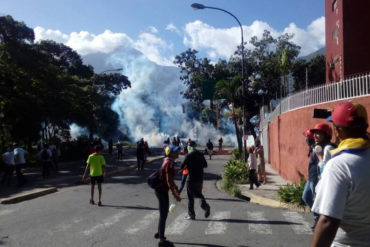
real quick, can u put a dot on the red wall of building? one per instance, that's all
(287, 146)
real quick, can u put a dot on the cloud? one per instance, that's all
(153, 47)
(171, 27)
(223, 42)
(153, 29)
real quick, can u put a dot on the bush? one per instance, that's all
(237, 171)
(292, 193)
(235, 154)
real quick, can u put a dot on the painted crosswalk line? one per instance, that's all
(144, 223)
(179, 225)
(217, 225)
(106, 223)
(259, 224)
(300, 226)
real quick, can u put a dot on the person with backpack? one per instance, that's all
(167, 173)
(97, 166)
(45, 156)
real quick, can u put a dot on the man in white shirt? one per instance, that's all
(343, 196)
(8, 159)
(19, 161)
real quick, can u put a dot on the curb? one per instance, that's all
(29, 195)
(41, 192)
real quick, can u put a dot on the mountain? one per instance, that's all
(311, 55)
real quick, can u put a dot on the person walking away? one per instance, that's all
(19, 162)
(119, 150)
(195, 163)
(140, 154)
(220, 141)
(97, 167)
(8, 159)
(45, 156)
(343, 197)
(260, 156)
(210, 148)
(167, 183)
(252, 169)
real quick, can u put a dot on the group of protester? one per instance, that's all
(15, 159)
(337, 190)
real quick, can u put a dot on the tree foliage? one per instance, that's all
(44, 87)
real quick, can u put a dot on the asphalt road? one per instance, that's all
(129, 218)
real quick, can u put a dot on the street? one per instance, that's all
(129, 217)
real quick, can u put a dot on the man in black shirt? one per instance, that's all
(195, 163)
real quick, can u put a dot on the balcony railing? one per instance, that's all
(357, 86)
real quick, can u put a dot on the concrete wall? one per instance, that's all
(287, 146)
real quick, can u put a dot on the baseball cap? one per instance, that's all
(349, 114)
(323, 128)
(172, 149)
(307, 133)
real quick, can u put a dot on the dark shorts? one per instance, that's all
(97, 179)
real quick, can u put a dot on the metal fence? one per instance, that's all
(352, 87)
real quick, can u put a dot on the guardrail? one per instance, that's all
(356, 86)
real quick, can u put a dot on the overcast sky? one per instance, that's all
(161, 29)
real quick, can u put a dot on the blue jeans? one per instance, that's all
(164, 202)
(308, 195)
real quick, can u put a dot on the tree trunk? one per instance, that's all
(238, 137)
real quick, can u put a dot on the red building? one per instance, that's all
(347, 38)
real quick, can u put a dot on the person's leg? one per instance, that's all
(251, 178)
(163, 200)
(183, 180)
(307, 194)
(100, 191)
(191, 211)
(92, 193)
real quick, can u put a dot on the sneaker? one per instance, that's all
(207, 212)
(92, 202)
(190, 217)
(156, 235)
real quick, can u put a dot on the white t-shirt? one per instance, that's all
(252, 161)
(19, 152)
(344, 193)
(326, 157)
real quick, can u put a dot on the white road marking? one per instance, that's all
(301, 226)
(179, 225)
(144, 223)
(217, 226)
(107, 223)
(261, 226)
(7, 211)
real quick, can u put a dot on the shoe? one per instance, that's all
(156, 235)
(207, 212)
(251, 188)
(190, 217)
(165, 243)
(100, 204)
(92, 202)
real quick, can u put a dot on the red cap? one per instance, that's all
(308, 134)
(349, 114)
(322, 127)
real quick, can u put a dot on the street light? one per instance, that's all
(201, 6)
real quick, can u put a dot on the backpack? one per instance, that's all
(45, 155)
(154, 180)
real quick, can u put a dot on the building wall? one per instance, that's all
(347, 38)
(287, 146)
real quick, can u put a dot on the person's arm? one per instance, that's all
(171, 184)
(86, 168)
(325, 231)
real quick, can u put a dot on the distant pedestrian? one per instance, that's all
(343, 197)
(140, 154)
(220, 141)
(260, 156)
(19, 162)
(45, 156)
(146, 151)
(119, 150)
(195, 163)
(252, 168)
(8, 159)
(97, 166)
(167, 176)
(210, 148)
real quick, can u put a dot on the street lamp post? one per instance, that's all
(201, 6)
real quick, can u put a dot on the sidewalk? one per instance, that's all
(69, 174)
(266, 194)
